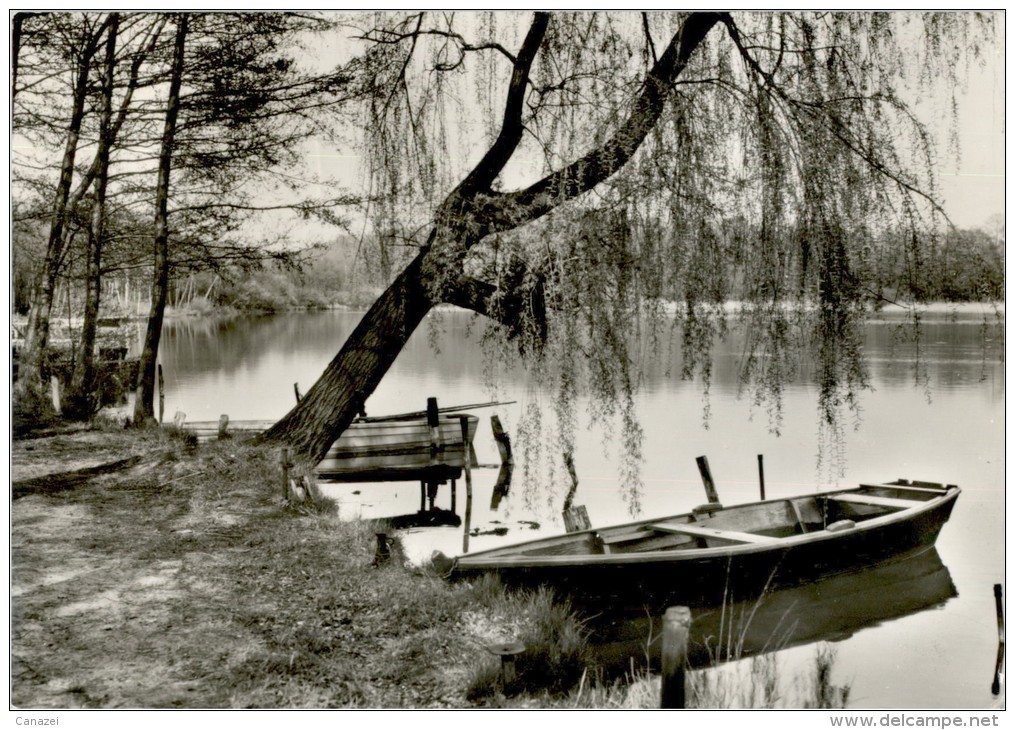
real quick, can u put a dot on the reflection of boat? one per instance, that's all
(832, 609)
(393, 449)
(701, 557)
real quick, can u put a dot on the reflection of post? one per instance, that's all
(468, 486)
(500, 489)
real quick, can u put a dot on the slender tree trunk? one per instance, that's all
(144, 409)
(32, 356)
(329, 406)
(82, 383)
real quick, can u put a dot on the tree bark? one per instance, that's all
(328, 408)
(80, 400)
(144, 409)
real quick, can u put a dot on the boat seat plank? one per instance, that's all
(870, 499)
(902, 488)
(701, 531)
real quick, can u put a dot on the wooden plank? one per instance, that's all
(900, 488)
(869, 499)
(627, 536)
(711, 532)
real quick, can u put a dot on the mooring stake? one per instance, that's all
(507, 652)
(761, 474)
(383, 552)
(464, 422)
(676, 626)
(995, 686)
(706, 477)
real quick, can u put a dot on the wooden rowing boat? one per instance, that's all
(699, 558)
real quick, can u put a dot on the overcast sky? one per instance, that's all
(974, 189)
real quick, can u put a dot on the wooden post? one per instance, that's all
(223, 426)
(706, 477)
(285, 473)
(995, 686)
(676, 626)
(422, 496)
(454, 494)
(761, 474)
(383, 553)
(162, 394)
(468, 484)
(507, 653)
(433, 422)
(296, 390)
(576, 518)
(503, 441)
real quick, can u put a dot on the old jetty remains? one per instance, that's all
(433, 446)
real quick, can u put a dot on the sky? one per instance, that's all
(973, 188)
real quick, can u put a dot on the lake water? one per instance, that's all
(936, 415)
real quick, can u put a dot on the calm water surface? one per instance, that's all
(936, 413)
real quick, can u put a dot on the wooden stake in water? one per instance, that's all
(761, 474)
(706, 478)
(676, 626)
(468, 484)
(995, 686)
(502, 439)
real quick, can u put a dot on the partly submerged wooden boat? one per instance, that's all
(714, 553)
(385, 448)
(395, 449)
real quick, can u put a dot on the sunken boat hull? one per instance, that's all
(395, 450)
(719, 554)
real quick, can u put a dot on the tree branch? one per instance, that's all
(488, 168)
(508, 210)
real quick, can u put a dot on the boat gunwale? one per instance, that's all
(482, 560)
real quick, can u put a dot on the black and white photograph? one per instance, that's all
(513, 360)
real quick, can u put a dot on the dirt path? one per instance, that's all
(182, 581)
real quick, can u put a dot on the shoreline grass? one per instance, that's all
(184, 580)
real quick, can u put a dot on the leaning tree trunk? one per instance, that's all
(144, 409)
(329, 406)
(473, 210)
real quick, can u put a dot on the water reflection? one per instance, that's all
(833, 609)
